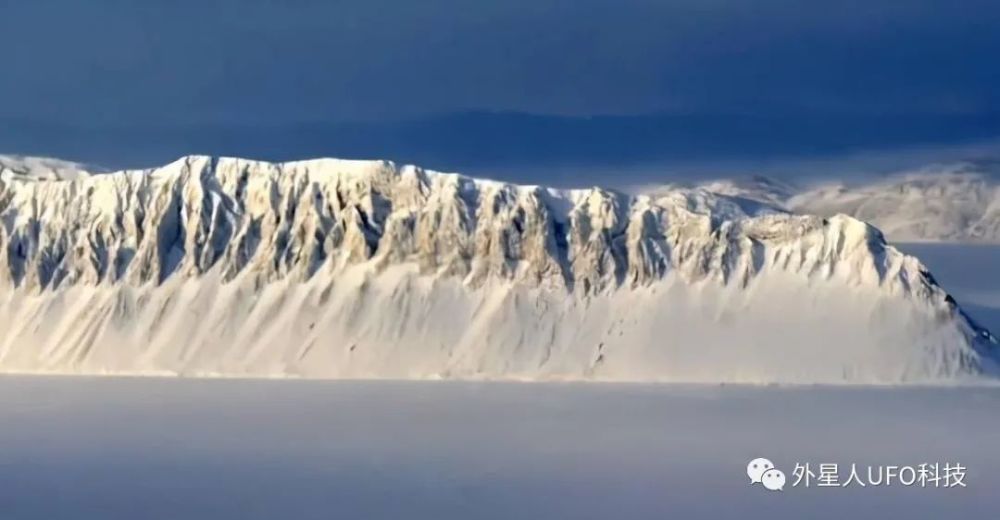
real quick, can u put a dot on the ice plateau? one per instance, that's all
(365, 269)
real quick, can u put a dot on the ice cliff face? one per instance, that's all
(335, 268)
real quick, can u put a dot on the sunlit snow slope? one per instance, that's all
(362, 269)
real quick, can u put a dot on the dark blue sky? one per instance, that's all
(497, 84)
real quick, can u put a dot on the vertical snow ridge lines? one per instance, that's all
(275, 220)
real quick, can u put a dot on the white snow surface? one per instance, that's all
(365, 269)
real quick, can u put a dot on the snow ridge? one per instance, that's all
(334, 268)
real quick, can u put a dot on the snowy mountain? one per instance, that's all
(365, 269)
(951, 203)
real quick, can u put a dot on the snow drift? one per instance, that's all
(362, 269)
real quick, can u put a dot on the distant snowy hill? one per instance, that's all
(951, 203)
(956, 203)
(366, 269)
(44, 168)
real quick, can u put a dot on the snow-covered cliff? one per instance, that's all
(335, 268)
